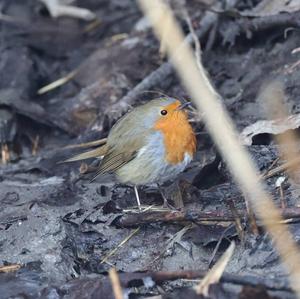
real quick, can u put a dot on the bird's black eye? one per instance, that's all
(163, 112)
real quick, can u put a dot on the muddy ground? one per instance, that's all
(60, 234)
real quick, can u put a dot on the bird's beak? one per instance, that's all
(183, 106)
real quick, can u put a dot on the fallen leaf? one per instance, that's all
(272, 127)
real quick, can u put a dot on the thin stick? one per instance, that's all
(132, 218)
(251, 217)
(216, 272)
(195, 39)
(285, 166)
(115, 283)
(10, 268)
(119, 246)
(159, 277)
(218, 245)
(237, 220)
(270, 167)
(222, 130)
(57, 83)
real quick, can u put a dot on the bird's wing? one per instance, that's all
(120, 154)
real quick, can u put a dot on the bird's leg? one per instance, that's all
(166, 203)
(137, 197)
(161, 191)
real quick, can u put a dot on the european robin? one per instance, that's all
(152, 143)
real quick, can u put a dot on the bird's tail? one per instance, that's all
(95, 153)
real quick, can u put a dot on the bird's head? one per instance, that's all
(164, 112)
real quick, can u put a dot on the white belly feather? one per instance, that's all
(150, 166)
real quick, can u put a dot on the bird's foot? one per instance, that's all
(167, 205)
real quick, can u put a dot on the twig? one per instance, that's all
(252, 220)
(197, 51)
(285, 19)
(170, 243)
(258, 22)
(238, 279)
(115, 282)
(93, 25)
(237, 219)
(10, 268)
(202, 70)
(270, 167)
(137, 279)
(218, 245)
(119, 246)
(57, 83)
(287, 165)
(134, 219)
(177, 237)
(195, 39)
(214, 275)
(162, 49)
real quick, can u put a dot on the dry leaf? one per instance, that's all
(273, 7)
(270, 127)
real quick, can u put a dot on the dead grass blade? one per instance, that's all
(59, 82)
(287, 166)
(222, 130)
(119, 246)
(10, 268)
(214, 275)
(115, 283)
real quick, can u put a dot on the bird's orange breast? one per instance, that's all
(179, 137)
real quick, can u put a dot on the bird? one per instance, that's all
(152, 143)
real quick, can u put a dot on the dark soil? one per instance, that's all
(60, 229)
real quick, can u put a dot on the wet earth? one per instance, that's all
(59, 233)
